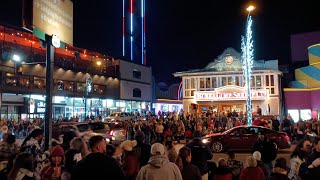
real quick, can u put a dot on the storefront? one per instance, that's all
(220, 86)
(166, 105)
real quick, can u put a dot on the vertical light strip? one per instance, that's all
(142, 33)
(131, 27)
(123, 29)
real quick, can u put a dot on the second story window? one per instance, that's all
(136, 92)
(136, 74)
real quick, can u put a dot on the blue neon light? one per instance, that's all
(142, 32)
(131, 39)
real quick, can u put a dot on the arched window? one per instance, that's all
(136, 74)
(136, 92)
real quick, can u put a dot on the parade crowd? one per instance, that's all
(149, 151)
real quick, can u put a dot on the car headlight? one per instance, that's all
(107, 140)
(205, 141)
(113, 138)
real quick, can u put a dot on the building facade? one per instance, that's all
(302, 99)
(115, 85)
(220, 85)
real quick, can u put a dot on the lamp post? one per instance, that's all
(247, 62)
(88, 88)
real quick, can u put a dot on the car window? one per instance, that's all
(97, 126)
(254, 130)
(83, 127)
(234, 132)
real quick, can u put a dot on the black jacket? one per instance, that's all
(200, 155)
(310, 173)
(266, 148)
(278, 176)
(97, 166)
(142, 151)
(190, 172)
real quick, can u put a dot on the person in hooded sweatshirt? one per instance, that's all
(159, 167)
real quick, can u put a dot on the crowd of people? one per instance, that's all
(149, 152)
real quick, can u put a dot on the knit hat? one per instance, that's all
(57, 151)
(128, 145)
(139, 136)
(257, 155)
(157, 149)
(197, 134)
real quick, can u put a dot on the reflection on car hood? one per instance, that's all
(213, 134)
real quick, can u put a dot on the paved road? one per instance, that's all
(243, 155)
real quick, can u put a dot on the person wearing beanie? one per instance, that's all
(159, 166)
(280, 170)
(201, 153)
(130, 162)
(54, 169)
(142, 150)
(252, 172)
(257, 156)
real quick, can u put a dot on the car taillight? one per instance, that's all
(111, 133)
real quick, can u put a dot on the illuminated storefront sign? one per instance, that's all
(229, 93)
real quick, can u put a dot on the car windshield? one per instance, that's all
(83, 127)
(114, 114)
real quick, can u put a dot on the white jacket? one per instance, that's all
(159, 168)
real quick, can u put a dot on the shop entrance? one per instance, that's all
(221, 107)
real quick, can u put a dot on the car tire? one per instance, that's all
(217, 146)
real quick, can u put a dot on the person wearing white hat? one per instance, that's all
(159, 167)
(130, 162)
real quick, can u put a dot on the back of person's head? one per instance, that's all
(111, 149)
(33, 134)
(77, 144)
(222, 162)
(281, 163)
(184, 153)
(94, 141)
(23, 160)
(231, 154)
(197, 134)
(316, 140)
(70, 160)
(157, 149)
(11, 138)
(257, 155)
(169, 144)
(139, 136)
(251, 162)
(67, 137)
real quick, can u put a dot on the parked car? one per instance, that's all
(119, 116)
(243, 138)
(81, 129)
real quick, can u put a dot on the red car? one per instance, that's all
(243, 138)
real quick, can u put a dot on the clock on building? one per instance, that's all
(228, 60)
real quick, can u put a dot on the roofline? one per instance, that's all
(180, 74)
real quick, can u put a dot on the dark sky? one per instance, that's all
(188, 34)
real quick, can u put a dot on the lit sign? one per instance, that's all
(41, 107)
(55, 41)
(229, 93)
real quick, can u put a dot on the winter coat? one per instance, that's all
(200, 155)
(278, 176)
(295, 164)
(159, 168)
(266, 148)
(25, 174)
(222, 173)
(190, 172)
(252, 173)
(142, 151)
(130, 166)
(311, 173)
(172, 155)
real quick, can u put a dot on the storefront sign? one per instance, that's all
(229, 93)
(54, 17)
(40, 107)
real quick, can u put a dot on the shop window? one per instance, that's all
(305, 114)
(39, 83)
(258, 81)
(11, 81)
(193, 84)
(237, 81)
(224, 81)
(230, 80)
(294, 114)
(208, 83)
(24, 81)
(214, 82)
(187, 93)
(267, 80)
(192, 92)
(81, 87)
(202, 83)
(136, 74)
(272, 80)
(64, 85)
(136, 92)
(98, 89)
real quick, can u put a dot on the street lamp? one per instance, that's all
(88, 88)
(247, 62)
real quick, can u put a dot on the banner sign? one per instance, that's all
(228, 93)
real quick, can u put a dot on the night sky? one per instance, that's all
(188, 34)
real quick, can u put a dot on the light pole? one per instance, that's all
(247, 62)
(88, 88)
